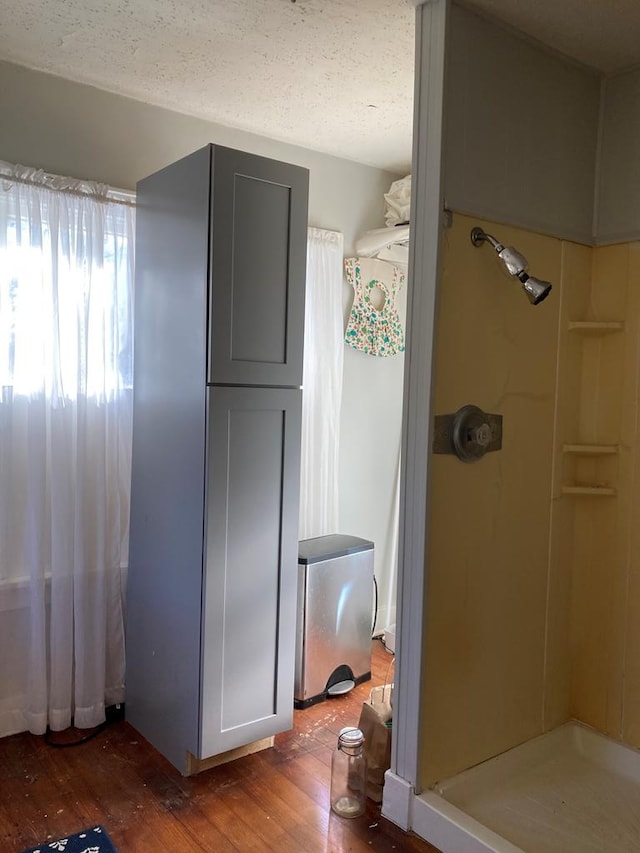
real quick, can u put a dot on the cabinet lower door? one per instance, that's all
(250, 571)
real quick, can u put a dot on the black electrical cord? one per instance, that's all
(113, 714)
(375, 609)
(65, 744)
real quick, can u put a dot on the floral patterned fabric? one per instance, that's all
(93, 840)
(374, 327)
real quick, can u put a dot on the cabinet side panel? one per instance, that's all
(251, 570)
(169, 431)
(258, 267)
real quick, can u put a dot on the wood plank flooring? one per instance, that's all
(275, 800)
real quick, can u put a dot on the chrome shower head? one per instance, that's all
(515, 264)
(535, 288)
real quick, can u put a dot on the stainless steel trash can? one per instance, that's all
(335, 607)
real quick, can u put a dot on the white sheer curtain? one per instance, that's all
(66, 287)
(322, 384)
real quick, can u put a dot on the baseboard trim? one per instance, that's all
(397, 796)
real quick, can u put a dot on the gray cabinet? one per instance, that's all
(211, 598)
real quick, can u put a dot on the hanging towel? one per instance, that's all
(398, 202)
(374, 326)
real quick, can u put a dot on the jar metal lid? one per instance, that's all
(350, 737)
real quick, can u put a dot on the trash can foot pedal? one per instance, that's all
(341, 687)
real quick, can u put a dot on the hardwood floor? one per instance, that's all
(275, 800)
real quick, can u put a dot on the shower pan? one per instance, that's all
(569, 790)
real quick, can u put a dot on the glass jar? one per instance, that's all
(349, 774)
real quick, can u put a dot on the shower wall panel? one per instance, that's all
(498, 591)
(489, 521)
(605, 632)
(631, 442)
(573, 295)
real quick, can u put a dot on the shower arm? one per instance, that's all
(514, 262)
(478, 237)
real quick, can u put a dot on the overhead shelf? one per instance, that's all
(595, 327)
(589, 491)
(591, 449)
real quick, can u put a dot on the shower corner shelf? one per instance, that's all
(596, 327)
(591, 449)
(583, 490)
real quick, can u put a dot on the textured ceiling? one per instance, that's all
(331, 75)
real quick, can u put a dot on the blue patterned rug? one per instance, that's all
(94, 840)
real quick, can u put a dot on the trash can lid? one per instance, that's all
(329, 547)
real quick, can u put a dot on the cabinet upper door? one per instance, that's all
(258, 246)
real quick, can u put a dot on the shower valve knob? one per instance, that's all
(469, 433)
(481, 435)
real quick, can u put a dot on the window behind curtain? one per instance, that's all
(66, 303)
(66, 266)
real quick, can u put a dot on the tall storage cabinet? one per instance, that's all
(219, 320)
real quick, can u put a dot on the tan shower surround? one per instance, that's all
(531, 591)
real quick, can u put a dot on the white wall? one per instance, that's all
(537, 141)
(521, 131)
(77, 130)
(72, 129)
(369, 453)
(618, 200)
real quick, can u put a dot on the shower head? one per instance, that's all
(535, 288)
(516, 265)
